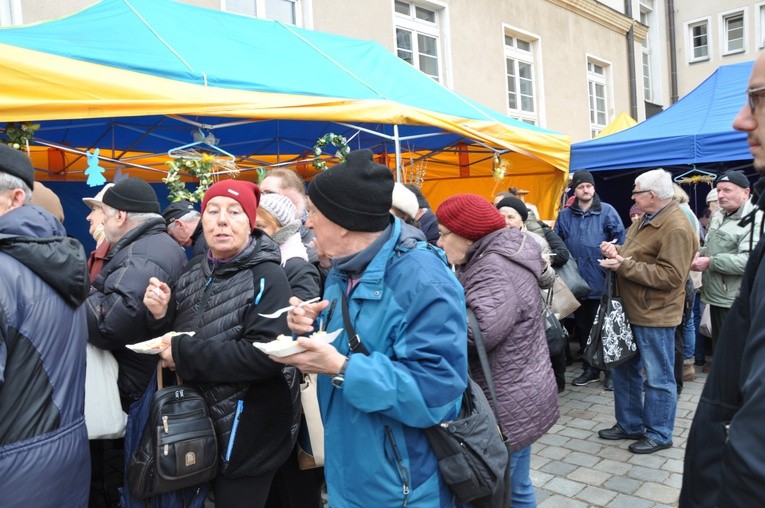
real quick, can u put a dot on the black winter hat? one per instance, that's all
(517, 204)
(17, 164)
(132, 195)
(580, 177)
(735, 177)
(177, 210)
(355, 194)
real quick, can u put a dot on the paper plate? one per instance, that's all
(153, 346)
(285, 346)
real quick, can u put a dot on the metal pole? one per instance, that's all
(397, 142)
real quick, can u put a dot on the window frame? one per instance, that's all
(421, 27)
(10, 13)
(724, 18)
(531, 57)
(647, 13)
(759, 24)
(597, 79)
(689, 48)
(299, 11)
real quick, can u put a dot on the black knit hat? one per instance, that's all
(132, 195)
(17, 164)
(515, 203)
(176, 210)
(580, 177)
(735, 177)
(355, 194)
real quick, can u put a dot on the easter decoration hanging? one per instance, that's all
(95, 172)
(330, 139)
(19, 134)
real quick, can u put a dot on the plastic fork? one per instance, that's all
(287, 309)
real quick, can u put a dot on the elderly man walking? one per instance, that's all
(723, 257)
(651, 267)
(400, 363)
(43, 440)
(724, 454)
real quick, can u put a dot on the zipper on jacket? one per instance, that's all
(403, 473)
(203, 301)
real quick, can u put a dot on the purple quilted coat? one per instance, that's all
(500, 281)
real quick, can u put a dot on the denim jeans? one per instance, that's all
(689, 331)
(523, 495)
(648, 406)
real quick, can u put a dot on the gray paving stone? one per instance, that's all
(624, 501)
(564, 487)
(673, 465)
(540, 478)
(675, 480)
(647, 475)
(596, 496)
(559, 469)
(649, 460)
(583, 421)
(554, 452)
(553, 439)
(613, 466)
(579, 445)
(575, 433)
(622, 484)
(658, 492)
(589, 476)
(581, 459)
(556, 501)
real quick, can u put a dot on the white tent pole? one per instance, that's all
(397, 142)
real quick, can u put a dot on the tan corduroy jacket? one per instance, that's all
(652, 281)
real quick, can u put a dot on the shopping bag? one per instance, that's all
(569, 272)
(563, 302)
(311, 435)
(611, 341)
(554, 331)
(705, 324)
(104, 416)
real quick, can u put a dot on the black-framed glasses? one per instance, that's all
(636, 192)
(753, 96)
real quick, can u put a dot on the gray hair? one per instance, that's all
(186, 217)
(9, 182)
(136, 218)
(658, 181)
(680, 195)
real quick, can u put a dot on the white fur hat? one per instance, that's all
(281, 207)
(405, 200)
(712, 196)
(98, 198)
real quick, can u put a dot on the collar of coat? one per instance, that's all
(595, 208)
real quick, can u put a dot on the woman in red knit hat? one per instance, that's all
(499, 269)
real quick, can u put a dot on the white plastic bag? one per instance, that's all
(310, 450)
(104, 417)
(705, 325)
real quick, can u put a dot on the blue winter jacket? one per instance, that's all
(409, 310)
(583, 233)
(44, 457)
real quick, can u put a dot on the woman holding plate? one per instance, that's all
(220, 297)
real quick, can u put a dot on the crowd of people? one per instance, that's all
(357, 253)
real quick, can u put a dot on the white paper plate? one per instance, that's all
(287, 346)
(153, 346)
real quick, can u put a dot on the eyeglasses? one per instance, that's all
(753, 96)
(443, 233)
(636, 192)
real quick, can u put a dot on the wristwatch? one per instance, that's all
(339, 378)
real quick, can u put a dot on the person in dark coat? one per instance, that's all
(724, 454)
(44, 458)
(500, 268)
(220, 298)
(185, 227)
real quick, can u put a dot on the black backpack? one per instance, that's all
(178, 448)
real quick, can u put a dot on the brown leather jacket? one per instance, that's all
(652, 281)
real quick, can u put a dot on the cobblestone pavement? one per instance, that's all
(571, 467)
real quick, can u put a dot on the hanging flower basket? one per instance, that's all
(201, 168)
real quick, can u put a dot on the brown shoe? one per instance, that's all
(689, 373)
(707, 367)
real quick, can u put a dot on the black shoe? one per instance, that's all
(648, 445)
(616, 432)
(608, 382)
(588, 376)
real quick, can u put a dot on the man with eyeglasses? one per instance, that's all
(651, 269)
(583, 226)
(724, 460)
(723, 257)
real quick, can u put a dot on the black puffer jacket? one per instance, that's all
(220, 303)
(116, 313)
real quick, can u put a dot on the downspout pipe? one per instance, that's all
(631, 59)
(672, 51)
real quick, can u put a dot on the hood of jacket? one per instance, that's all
(262, 248)
(512, 244)
(36, 239)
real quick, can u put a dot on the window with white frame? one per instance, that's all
(733, 33)
(597, 86)
(418, 36)
(521, 80)
(759, 10)
(10, 12)
(698, 40)
(646, 17)
(286, 11)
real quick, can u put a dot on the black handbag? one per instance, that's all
(611, 341)
(472, 454)
(554, 330)
(178, 448)
(569, 272)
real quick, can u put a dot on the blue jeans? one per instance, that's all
(523, 494)
(689, 330)
(648, 406)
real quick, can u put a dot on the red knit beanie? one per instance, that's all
(246, 194)
(470, 216)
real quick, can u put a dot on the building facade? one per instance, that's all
(567, 65)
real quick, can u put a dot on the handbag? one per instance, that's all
(178, 447)
(554, 331)
(473, 456)
(610, 342)
(564, 302)
(705, 324)
(311, 436)
(569, 272)
(104, 416)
